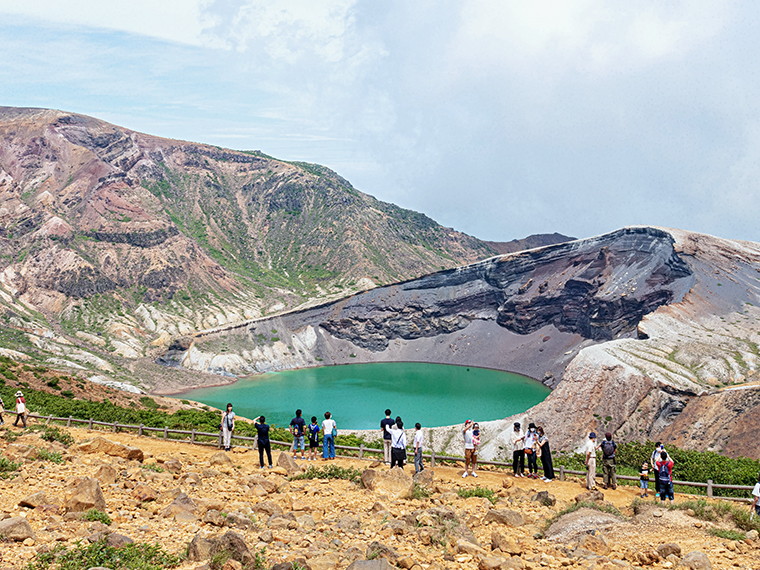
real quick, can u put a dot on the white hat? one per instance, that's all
(19, 394)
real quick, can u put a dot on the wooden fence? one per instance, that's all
(360, 452)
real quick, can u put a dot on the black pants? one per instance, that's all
(265, 446)
(398, 456)
(518, 459)
(21, 417)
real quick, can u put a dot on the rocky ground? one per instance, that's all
(200, 495)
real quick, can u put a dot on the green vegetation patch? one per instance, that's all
(478, 492)
(94, 515)
(331, 471)
(137, 556)
(52, 456)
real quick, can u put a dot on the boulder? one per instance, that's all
(144, 493)
(238, 520)
(232, 565)
(16, 528)
(490, 562)
(267, 507)
(595, 496)
(695, 560)
(103, 445)
(87, 495)
(214, 517)
(200, 548)
(393, 484)
(376, 550)
(267, 484)
(506, 517)
(376, 564)
(116, 540)
(35, 500)
(288, 464)
(467, 547)
(424, 478)
(220, 459)
(235, 546)
(752, 534)
(595, 543)
(505, 544)
(181, 504)
(665, 550)
(544, 498)
(173, 465)
(190, 479)
(328, 561)
(106, 474)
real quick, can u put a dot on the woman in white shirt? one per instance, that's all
(398, 443)
(329, 428)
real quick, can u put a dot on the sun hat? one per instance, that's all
(592, 435)
(467, 422)
(19, 394)
(531, 425)
(517, 424)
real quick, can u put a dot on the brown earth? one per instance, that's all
(328, 524)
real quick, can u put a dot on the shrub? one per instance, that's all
(52, 433)
(332, 471)
(478, 492)
(152, 467)
(52, 456)
(95, 515)
(420, 492)
(137, 556)
(729, 534)
(7, 467)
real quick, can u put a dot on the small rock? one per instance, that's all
(657, 513)
(266, 536)
(595, 543)
(232, 565)
(544, 498)
(220, 459)
(751, 534)
(288, 464)
(118, 540)
(376, 564)
(35, 500)
(379, 550)
(144, 493)
(106, 474)
(16, 528)
(424, 478)
(665, 550)
(590, 497)
(695, 560)
(87, 495)
(506, 517)
(173, 465)
(507, 545)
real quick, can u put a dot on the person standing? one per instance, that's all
(591, 461)
(754, 509)
(313, 438)
(658, 448)
(664, 469)
(530, 450)
(2, 408)
(546, 455)
(476, 446)
(398, 443)
(518, 450)
(644, 479)
(386, 421)
(608, 448)
(20, 409)
(228, 426)
(297, 426)
(418, 448)
(469, 448)
(262, 430)
(329, 430)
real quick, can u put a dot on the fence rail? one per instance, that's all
(432, 457)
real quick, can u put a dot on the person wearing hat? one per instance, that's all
(518, 450)
(469, 449)
(530, 450)
(591, 461)
(20, 409)
(2, 407)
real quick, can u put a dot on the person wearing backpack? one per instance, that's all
(664, 469)
(608, 448)
(754, 509)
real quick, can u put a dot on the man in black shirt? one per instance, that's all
(387, 421)
(297, 426)
(263, 440)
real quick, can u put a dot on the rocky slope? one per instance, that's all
(642, 332)
(113, 242)
(191, 499)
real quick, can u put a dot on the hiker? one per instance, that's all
(20, 409)
(2, 408)
(418, 448)
(329, 431)
(386, 421)
(591, 461)
(755, 507)
(398, 443)
(546, 455)
(644, 479)
(608, 448)
(665, 476)
(469, 448)
(476, 446)
(658, 448)
(518, 450)
(530, 450)
(228, 426)
(313, 438)
(262, 429)
(297, 425)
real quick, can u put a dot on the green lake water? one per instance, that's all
(358, 394)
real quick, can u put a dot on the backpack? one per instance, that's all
(662, 473)
(608, 449)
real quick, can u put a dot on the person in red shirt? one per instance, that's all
(20, 409)
(664, 474)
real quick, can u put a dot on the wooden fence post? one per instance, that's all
(432, 459)
(114, 427)
(68, 422)
(561, 472)
(192, 437)
(89, 426)
(50, 417)
(709, 488)
(361, 451)
(166, 432)
(140, 429)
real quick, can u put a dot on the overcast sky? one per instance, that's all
(500, 119)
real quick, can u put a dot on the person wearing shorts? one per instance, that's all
(313, 431)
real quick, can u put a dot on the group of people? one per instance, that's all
(298, 427)
(20, 409)
(531, 445)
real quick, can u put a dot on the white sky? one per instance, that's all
(498, 118)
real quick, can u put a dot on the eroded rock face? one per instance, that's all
(392, 483)
(103, 445)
